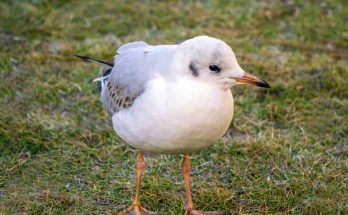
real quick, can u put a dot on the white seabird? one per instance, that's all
(171, 99)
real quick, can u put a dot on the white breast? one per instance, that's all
(175, 117)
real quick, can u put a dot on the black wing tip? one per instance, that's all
(89, 59)
(85, 58)
(80, 56)
(264, 84)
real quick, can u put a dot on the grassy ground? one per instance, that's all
(289, 152)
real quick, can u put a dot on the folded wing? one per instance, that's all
(127, 78)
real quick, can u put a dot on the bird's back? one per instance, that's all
(135, 64)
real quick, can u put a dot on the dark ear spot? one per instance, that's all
(193, 69)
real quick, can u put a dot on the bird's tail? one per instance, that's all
(104, 71)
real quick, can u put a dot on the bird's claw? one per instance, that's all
(137, 210)
(199, 212)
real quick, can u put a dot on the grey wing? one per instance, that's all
(127, 78)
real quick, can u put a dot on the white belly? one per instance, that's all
(175, 118)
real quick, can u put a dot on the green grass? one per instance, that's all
(60, 155)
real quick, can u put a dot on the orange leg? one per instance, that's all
(136, 208)
(189, 205)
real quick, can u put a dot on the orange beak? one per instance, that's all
(253, 80)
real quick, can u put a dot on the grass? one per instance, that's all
(289, 151)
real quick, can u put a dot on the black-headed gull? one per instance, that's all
(171, 99)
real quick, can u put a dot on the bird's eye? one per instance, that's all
(215, 68)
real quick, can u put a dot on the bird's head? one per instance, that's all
(212, 60)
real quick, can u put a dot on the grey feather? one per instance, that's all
(121, 89)
(137, 63)
(132, 45)
(134, 65)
